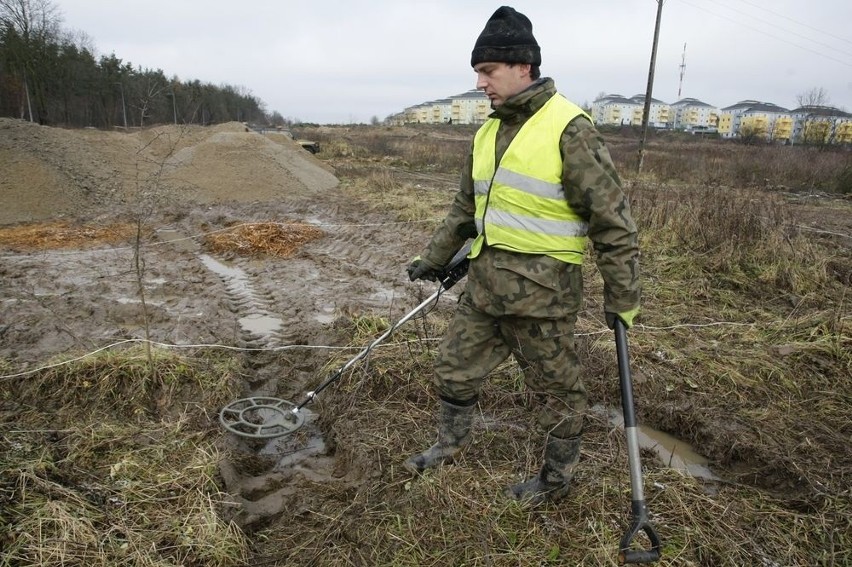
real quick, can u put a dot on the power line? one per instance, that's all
(785, 29)
(767, 34)
(796, 21)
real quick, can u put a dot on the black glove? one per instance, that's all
(420, 269)
(467, 230)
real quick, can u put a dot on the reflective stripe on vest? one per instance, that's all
(520, 205)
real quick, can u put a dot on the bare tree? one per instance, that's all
(818, 127)
(34, 23)
(80, 39)
(150, 91)
(817, 96)
(33, 20)
(149, 197)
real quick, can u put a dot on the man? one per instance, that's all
(538, 182)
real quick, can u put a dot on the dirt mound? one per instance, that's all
(49, 172)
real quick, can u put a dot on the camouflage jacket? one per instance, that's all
(592, 189)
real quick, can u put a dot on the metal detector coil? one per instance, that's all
(261, 417)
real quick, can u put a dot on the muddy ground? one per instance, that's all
(176, 185)
(286, 316)
(75, 298)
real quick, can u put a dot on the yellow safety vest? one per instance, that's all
(520, 205)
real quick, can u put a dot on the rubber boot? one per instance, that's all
(454, 424)
(554, 479)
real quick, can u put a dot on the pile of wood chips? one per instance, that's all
(53, 235)
(271, 238)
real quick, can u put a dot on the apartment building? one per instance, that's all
(693, 115)
(618, 110)
(613, 109)
(821, 125)
(747, 118)
(753, 118)
(471, 107)
(843, 132)
(658, 113)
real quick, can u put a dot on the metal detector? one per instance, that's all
(640, 521)
(266, 418)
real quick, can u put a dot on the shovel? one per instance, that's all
(640, 521)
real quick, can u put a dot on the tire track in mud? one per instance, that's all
(357, 267)
(259, 325)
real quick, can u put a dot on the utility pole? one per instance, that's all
(174, 105)
(648, 92)
(682, 71)
(123, 105)
(29, 103)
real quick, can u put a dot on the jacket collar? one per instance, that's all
(527, 102)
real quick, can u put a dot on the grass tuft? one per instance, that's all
(106, 464)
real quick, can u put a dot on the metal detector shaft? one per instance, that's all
(455, 270)
(640, 521)
(311, 395)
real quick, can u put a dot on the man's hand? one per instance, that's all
(627, 318)
(420, 269)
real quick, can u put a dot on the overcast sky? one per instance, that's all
(339, 61)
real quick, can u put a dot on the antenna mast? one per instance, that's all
(682, 71)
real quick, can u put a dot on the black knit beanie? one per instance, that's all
(507, 38)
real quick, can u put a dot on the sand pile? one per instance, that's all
(49, 172)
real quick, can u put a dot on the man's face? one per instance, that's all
(501, 81)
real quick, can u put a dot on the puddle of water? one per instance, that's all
(672, 452)
(325, 316)
(383, 295)
(222, 269)
(178, 239)
(235, 278)
(292, 450)
(261, 324)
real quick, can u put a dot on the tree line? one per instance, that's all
(52, 76)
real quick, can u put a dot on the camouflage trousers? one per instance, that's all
(525, 306)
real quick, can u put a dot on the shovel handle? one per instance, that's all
(640, 521)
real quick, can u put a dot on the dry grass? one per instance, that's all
(263, 238)
(61, 234)
(429, 149)
(105, 464)
(745, 346)
(455, 515)
(742, 350)
(674, 158)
